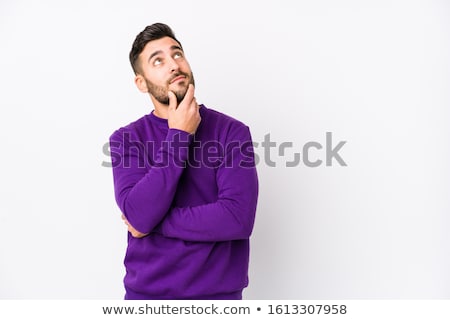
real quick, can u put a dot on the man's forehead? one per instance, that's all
(162, 44)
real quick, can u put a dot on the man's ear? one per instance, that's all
(141, 84)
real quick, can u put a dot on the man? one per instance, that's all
(185, 181)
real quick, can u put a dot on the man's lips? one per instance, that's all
(177, 79)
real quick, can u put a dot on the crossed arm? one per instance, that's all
(146, 195)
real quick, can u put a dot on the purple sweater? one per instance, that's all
(196, 196)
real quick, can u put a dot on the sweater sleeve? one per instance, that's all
(144, 191)
(232, 216)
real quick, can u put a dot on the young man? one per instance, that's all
(186, 183)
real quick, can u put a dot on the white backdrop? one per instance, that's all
(375, 74)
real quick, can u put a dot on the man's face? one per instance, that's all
(164, 68)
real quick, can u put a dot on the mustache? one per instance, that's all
(177, 75)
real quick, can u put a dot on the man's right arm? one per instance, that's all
(144, 192)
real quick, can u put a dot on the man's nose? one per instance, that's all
(174, 65)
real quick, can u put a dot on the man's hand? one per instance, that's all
(186, 115)
(132, 230)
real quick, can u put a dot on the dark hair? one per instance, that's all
(153, 32)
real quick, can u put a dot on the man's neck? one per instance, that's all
(161, 113)
(161, 110)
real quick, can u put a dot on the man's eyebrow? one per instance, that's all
(173, 48)
(154, 54)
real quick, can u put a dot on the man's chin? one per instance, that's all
(165, 100)
(180, 93)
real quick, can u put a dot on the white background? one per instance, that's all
(374, 73)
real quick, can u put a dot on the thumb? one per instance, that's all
(172, 101)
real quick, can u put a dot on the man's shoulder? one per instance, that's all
(221, 118)
(133, 127)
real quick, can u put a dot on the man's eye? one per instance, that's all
(157, 62)
(177, 55)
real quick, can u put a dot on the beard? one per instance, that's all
(160, 93)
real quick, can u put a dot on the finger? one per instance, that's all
(189, 94)
(172, 101)
(195, 107)
(194, 102)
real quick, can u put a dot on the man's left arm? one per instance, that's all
(232, 216)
